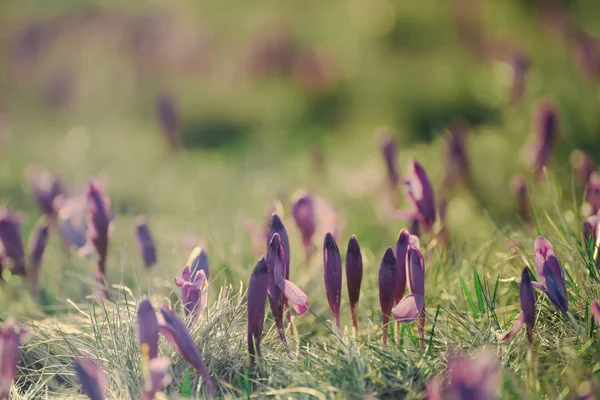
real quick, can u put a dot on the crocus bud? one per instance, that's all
(92, 378)
(99, 224)
(400, 252)
(584, 166)
(588, 227)
(354, 275)
(527, 303)
(37, 245)
(458, 168)
(145, 242)
(389, 150)
(197, 261)
(545, 130)
(147, 328)
(11, 337)
(45, 187)
(387, 285)
(276, 226)
(168, 119)
(551, 274)
(519, 188)
(11, 242)
(178, 336)
(333, 276)
(194, 290)
(412, 306)
(596, 311)
(304, 214)
(256, 299)
(156, 378)
(420, 193)
(593, 193)
(520, 64)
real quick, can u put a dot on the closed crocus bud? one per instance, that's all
(304, 213)
(354, 275)
(527, 303)
(145, 242)
(37, 245)
(387, 285)
(596, 311)
(400, 252)
(593, 194)
(584, 166)
(11, 337)
(545, 130)
(333, 276)
(275, 226)
(458, 168)
(92, 378)
(519, 188)
(198, 260)
(168, 119)
(156, 377)
(147, 328)
(389, 150)
(551, 274)
(412, 306)
(45, 187)
(11, 242)
(420, 193)
(178, 336)
(256, 299)
(99, 224)
(194, 290)
(588, 228)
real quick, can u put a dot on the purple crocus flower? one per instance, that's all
(145, 241)
(519, 188)
(527, 314)
(584, 165)
(412, 306)
(46, 188)
(147, 328)
(420, 193)
(400, 252)
(587, 55)
(458, 167)
(305, 217)
(168, 119)
(589, 228)
(354, 275)
(468, 379)
(593, 193)
(332, 262)
(256, 299)
(92, 378)
(99, 225)
(11, 242)
(11, 337)
(37, 245)
(275, 225)
(156, 377)
(387, 286)
(389, 150)
(551, 275)
(596, 311)
(545, 128)
(178, 336)
(72, 221)
(198, 260)
(194, 290)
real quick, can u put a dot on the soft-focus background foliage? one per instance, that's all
(276, 96)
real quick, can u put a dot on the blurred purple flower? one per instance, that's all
(194, 290)
(256, 299)
(11, 337)
(305, 217)
(593, 193)
(584, 165)
(420, 193)
(551, 275)
(99, 226)
(273, 54)
(178, 336)
(72, 220)
(389, 150)
(596, 311)
(587, 55)
(589, 228)
(332, 262)
(198, 261)
(519, 188)
(46, 188)
(545, 131)
(37, 245)
(468, 379)
(147, 328)
(168, 119)
(354, 275)
(387, 285)
(157, 377)
(145, 242)
(458, 169)
(92, 378)
(520, 63)
(11, 242)
(527, 314)
(412, 306)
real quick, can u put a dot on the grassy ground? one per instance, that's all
(397, 63)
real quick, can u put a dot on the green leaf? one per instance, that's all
(469, 297)
(186, 385)
(478, 291)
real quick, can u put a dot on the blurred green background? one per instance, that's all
(275, 96)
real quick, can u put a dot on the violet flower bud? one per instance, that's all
(99, 225)
(420, 193)
(11, 337)
(389, 150)
(588, 227)
(354, 275)
(400, 253)
(519, 188)
(584, 166)
(457, 163)
(145, 242)
(198, 261)
(387, 285)
(545, 128)
(45, 187)
(593, 193)
(275, 225)
(256, 299)
(551, 275)
(520, 64)
(92, 378)
(527, 303)
(11, 242)
(147, 328)
(304, 213)
(168, 119)
(332, 262)
(194, 290)
(37, 245)
(178, 336)
(72, 221)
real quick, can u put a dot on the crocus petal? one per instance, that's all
(275, 265)
(420, 192)
(276, 227)
(409, 308)
(515, 329)
(256, 299)
(416, 271)
(389, 152)
(147, 327)
(91, 377)
(527, 298)
(11, 242)
(159, 377)
(333, 276)
(145, 242)
(400, 252)
(354, 275)
(551, 273)
(538, 286)
(11, 337)
(198, 260)
(596, 311)
(296, 296)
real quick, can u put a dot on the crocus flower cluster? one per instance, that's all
(46, 188)
(546, 131)
(11, 338)
(420, 193)
(145, 241)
